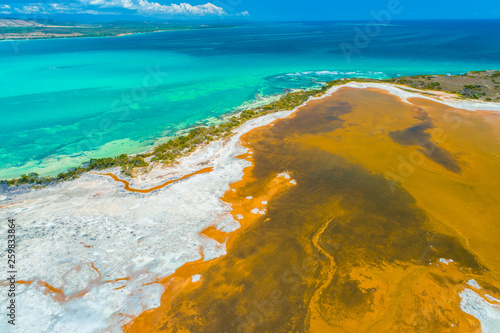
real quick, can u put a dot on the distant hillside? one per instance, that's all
(18, 23)
(15, 29)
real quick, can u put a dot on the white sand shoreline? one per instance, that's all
(404, 93)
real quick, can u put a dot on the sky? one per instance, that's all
(275, 10)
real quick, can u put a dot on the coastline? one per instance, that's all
(445, 98)
(151, 259)
(217, 127)
(202, 191)
(54, 165)
(403, 91)
(125, 34)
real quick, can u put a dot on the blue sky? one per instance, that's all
(256, 9)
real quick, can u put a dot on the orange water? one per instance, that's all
(130, 189)
(381, 191)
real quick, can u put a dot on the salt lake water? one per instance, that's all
(63, 101)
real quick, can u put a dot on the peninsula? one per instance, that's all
(479, 86)
(17, 29)
(341, 213)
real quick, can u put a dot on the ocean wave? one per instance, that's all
(326, 74)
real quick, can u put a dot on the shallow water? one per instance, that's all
(340, 246)
(63, 101)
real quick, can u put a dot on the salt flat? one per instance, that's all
(84, 237)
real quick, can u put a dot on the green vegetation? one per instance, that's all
(411, 82)
(480, 85)
(127, 163)
(471, 91)
(433, 86)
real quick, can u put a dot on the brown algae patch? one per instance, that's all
(343, 231)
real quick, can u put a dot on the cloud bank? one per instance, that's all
(140, 7)
(154, 8)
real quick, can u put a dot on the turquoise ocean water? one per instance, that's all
(63, 101)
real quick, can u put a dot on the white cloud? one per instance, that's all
(95, 12)
(59, 8)
(5, 12)
(144, 7)
(182, 9)
(75, 9)
(111, 3)
(28, 10)
(154, 8)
